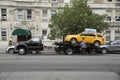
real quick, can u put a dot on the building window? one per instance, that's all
(54, 4)
(66, 1)
(109, 0)
(44, 33)
(108, 18)
(117, 18)
(109, 14)
(53, 0)
(90, 1)
(29, 14)
(108, 35)
(20, 14)
(117, 4)
(4, 34)
(117, 35)
(44, 0)
(3, 14)
(52, 13)
(44, 15)
(117, 0)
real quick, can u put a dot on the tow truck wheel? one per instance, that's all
(35, 52)
(69, 51)
(73, 40)
(22, 51)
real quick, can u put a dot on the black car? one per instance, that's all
(32, 45)
(112, 46)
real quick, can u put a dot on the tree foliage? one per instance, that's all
(74, 18)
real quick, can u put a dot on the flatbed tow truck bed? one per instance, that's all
(69, 48)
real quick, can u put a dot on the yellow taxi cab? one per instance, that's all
(94, 38)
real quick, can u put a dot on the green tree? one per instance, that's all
(74, 18)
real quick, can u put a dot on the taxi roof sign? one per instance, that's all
(90, 30)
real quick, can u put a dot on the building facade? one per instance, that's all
(27, 14)
(35, 15)
(112, 9)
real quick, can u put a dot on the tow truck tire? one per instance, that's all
(73, 40)
(21, 51)
(35, 52)
(69, 51)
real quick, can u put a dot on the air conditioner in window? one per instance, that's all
(54, 4)
(4, 17)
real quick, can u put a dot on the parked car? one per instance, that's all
(94, 38)
(33, 45)
(112, 46)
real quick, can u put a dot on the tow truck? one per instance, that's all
(71, 43)
(69, 48)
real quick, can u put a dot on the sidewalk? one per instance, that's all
(59, 75)
(3, 46)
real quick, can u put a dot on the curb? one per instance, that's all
(59, 75)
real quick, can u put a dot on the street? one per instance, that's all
(61, 64)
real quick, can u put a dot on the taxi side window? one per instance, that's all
(88, 35)
(99, 35)
(83, 35)
(91, 35)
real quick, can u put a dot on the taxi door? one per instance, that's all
(89, 38)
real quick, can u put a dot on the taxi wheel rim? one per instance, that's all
(73, 41)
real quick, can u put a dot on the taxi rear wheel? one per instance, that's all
(73, 40)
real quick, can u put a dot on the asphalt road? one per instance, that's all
(14, 62)
(78, 63)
